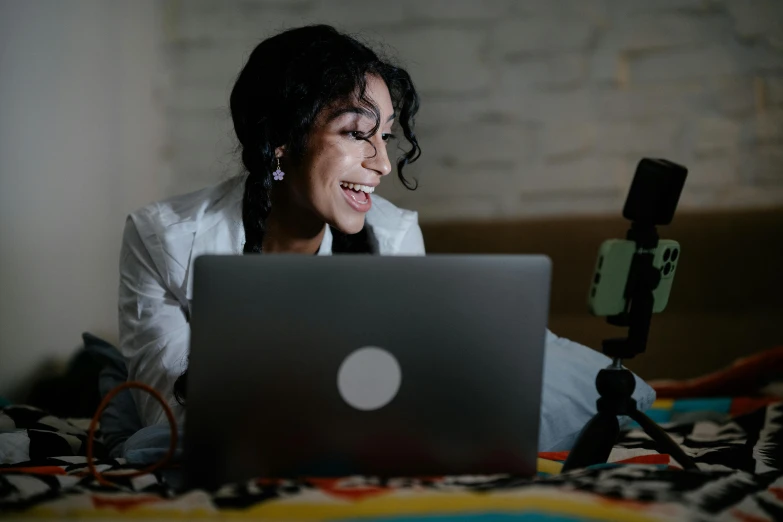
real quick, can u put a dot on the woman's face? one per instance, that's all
(338, 173)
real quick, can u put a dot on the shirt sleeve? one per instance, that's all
(154, 332)
(569, 394)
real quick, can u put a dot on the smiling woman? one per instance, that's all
(313, 111)
(322, 104)
(333, 176)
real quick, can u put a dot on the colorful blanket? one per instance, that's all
(737, 443)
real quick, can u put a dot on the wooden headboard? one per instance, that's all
(727, 299)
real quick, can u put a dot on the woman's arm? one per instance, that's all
(154, 333)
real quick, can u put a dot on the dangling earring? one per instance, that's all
(278, 174)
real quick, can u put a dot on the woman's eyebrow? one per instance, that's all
(355, 110)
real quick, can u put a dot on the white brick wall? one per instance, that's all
(529, 107)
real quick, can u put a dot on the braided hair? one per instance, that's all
(288, 80)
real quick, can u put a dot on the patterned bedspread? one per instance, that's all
(737, 443)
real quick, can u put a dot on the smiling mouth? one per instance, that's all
(357, 187)
(357, 194)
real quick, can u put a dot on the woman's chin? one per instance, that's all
(349, 225)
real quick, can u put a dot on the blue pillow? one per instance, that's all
(569, 395)
(150, 444)
(120, 419)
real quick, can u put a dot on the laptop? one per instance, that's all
(308, 366)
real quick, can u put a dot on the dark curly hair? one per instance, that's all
(289, 79)
(286, 84)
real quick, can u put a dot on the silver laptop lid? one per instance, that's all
(392, 366)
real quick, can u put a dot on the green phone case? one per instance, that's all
(667, 257)
(611, 274)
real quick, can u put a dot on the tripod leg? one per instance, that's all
(594, 443)
(665, 443)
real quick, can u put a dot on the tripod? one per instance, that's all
(616, 384)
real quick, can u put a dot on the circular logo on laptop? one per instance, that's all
(369, 378)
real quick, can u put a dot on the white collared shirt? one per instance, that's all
(160, 243)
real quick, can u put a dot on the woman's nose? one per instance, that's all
(378, 159)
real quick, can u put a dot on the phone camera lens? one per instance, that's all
(667, 268)
(597, 278)
(667, 254)
(675, 253)
(600, 262)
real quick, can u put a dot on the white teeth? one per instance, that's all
(355, 186)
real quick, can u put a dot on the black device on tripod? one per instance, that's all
(652, 201)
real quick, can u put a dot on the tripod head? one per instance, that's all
(652, 201)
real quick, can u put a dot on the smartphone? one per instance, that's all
(613, 265)
(667, 257)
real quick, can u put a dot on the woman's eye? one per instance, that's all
(359, 135)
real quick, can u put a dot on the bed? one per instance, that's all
(728, 423)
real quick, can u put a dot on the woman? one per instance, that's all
(313, 111)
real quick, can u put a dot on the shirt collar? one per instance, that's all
(326, 243)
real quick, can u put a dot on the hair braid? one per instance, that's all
(256, 206)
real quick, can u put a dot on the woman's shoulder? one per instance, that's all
(386, 213)
(395, 229)
(186, 211)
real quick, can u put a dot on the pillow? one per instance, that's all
(150, 444)
(71, 393)
(120, 419)
(569, 395)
